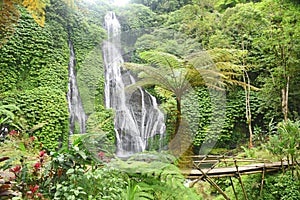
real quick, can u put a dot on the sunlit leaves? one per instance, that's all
(9, 11)
(9, 17)
(37, 9)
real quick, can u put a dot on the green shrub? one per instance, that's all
(102, 121)
(276, 187)
(44, 105)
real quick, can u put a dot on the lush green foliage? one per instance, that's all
(10, 15)
(90, 79)
(9, 116)
(276, 186)
(102, 121)
(76, 174)
(286, 142)
(167, 40)
(154, 179)
(163, 6)
(34, 64)
(28, 54)
(33, 71)
(137, 17)
(46, 106)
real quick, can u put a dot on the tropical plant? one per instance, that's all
(6, 112)
(156, 178)
(231, 64)
(171, 74)
(67, 174)
(212, 69)
(279, 46)
(286, 141)
(275, 186)
(8, 116)
(28, 176)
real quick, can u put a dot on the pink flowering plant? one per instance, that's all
(29, 177)
(55, 175)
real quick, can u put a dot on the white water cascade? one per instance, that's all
(74, 101)
(137, 116)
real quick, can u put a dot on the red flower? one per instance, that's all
(16, 169)
(39, 194)
(12, 132)
(32, 138)
(37, 165)
(33, 189)
(42, 153)
(101, 154)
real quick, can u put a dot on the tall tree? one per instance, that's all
(280, 43)
(242, 24)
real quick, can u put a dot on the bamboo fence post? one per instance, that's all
(231, 182)
(240, 180)
(282, 167)
(210, 181)
(199, 178)
(262, 181)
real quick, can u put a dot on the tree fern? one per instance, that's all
(215, 69)
(176, 75)
(224, 62)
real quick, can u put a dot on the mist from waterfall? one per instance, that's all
(74, 101)
(137, 116)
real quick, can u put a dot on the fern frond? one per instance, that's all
(7, 111)
(162, 59)
(167, 78)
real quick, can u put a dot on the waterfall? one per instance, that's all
(137, 116)
(74, 101)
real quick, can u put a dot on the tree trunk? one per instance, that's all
(175, 145)
(178, 116)
(247, 88)
(248, 108)
(284, 99)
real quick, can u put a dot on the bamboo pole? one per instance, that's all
(241, 182)
(199, 178)
(231, 182)
(210, 181)
(217, 187)
(282, 167)
(262, 181)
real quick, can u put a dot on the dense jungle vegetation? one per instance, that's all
(253, 45)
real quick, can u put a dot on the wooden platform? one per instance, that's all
(232, 171)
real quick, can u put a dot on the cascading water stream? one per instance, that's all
(75, 105)
(138, 118)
